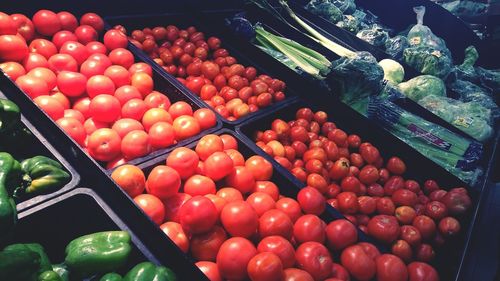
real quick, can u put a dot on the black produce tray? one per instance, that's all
(449, 259)
(162, 84)
(288, 185)
(212, 24)
(79, 212)
(42, 147)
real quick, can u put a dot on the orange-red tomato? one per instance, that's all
(218, 165)
(125, 126)
(242, 179)
(105, 108)
(51, 106)
(135, 144)
(205, 117)
(130, 178)
(152, 206)
(104, 144)
(73, 128)
(261, 169)
(143, 82)
(184, 161)
(155, 115)
(186, 126)
(161, 135)
(207, 145)
(199, 185)
(175, 232)
(163, 182)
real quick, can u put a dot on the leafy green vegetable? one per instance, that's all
(374, 35)
(393, 70)
(396, 45)
(349, 23)
(421, 86)
(325, 9)
(428, 60)
(466, 70)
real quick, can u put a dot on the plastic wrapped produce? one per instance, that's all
(396, 45)
(468, 91)
(489, 78)
(393, 70)
(375, 35)
(325, 9)
(421, 86)
(421, 35)
(465, 8)
(349, 23)
(470, 117)
(466, 70)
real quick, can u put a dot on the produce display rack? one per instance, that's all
(96, 202)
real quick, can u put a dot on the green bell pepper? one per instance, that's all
(147, 271)
(98, 253)
(45, 264)
(41, 174)
(20, 264)
(10, 115)
(10, 175)
(49, 276)
(61, 270)
(111, 277)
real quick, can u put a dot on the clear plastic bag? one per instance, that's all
(470, 117)
(465, 8)
(421, 86)
(466, 70)
(421, 35)
(349, 23)
(468, 91)
(396, 45)
(375, 35)
(489, 78)
(325, 9)
(346, 6)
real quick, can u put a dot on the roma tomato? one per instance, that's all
(163, 182)
(152, 206)
(175, 232)
(198, 215)
(314, 258)
(233, 258)
(130, 178)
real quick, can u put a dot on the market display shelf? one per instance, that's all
(244, 52)
(40, 146)
(81, 212)
(448, 259)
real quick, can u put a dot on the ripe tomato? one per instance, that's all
(96, 47)
(290, 207)
(8, 25)
(124, 58)
(134, 109)
(72, 84)
(141, 67)
(173, 204)
(295, 274)
(267, 187)
(426, 226)
(125, 126)
(314, 258)
(60, 62)
(130, 178)
(32, 86)
(391, 268)
(184, 161)
(359, 264)
(309, 228)
(457, 201)
(73, 128)
(339, 170)
(186, 126)
(104, 144)
(68, 21)
(152, 206)
(219, 165)
(180, 108)
(71, 113)
(100, 84)
(208, 145)
(91, 126)
(341, 234)
(13, 69)
(143, 82)
(93, 20)
(241, 178)
(174, 231)
(275, 222)
(199, 185)
(46, 22)
(105, 108)
(230, 194)
(266, 267)
(396, 166)
(205, 117)
(210, 270)
(51, 106)
(279, 246)
(77, 50)
(114, 39)
(198, 215)
(419, 271)
(405, 214)
(86, 34)
(205, 246)
(239, 219)
(157, 100)
(118, 74)
(163, 182)
(233, 258)
(261, 169)
(153, 116)
(235, 155)
(45, 74)
(348, 202)
(311, 201)
(161, 135)
(384, 228)
(261, 202)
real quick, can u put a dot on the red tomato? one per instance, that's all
(267, 187)
(174, 231)
(205, 246)
(235, 155)
(163, 182)
(359, 264)
(449, 226)
(239, 219)
(184, 161)
(205, 117)
(384, 228)
(60, 62)
(114, 39)
(426, 226)
(93, 20)
(314, 258)
(46, 22)
(290, 207)
(73, 128)
(265, 267)
(311, 201)
(391, 268)
(348, 202)
(122, 57)
(91, 126)
(294, 274)
(51, 106)
(100, 84)
(72, 84)
(279, 246)
(118, 74)
(309, 228)
(152, 206)
(141, 67)
(241, 178)
(261, 202)
(198, 215)
(173, 204)
(275, 222)
(405, 214)
(402, 250)
(339, 170)
(45, 74)
(157, 100)
(153, 116)
(208, 145)
(13, 69)
(92, 67)
(126, 93)
(125, 126)
(161, 135)
(143, 82)
(86, 34)
(230, 194)
(186, 126)
(396, 166)
(341, 234)
(419, 271)
(68, 21)
(76, 50)
(105, 108)
(32, 86)
(404, 197)
(218, 165)
(96, 47)
(104, 144)
(457, 201)
(218, 201)
(199, 185)
(210, 270)
(261, 169)
(233, 258)
(71, 113)
(135, 109)
(130, 178)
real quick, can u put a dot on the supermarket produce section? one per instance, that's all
(246, 140)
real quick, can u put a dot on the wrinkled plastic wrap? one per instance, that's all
(427, 52)
(346, 6)
(325, 9)
(358, 77)
(396, 45)
(489, 78)
(421, 86)
(456, 154)
(468, 91)
(465, 8)
(469, 117)
(349, 23)
(466, 70)
(375, 35)
(365, 17)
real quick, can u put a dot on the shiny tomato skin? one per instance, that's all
(207, 145)
(261, 202)
(163, 182)
(206, 245)
(391, 268)
(73, 128)
(173, 204)
(275, 222)
(239, 219)
(314, 258)
(309, 228)
(210, 270)
(265, 267)
(358, 263)
(241, 178)
(104, 144)
(130, 178)
(384, 228)
(261, 169)
(341, 234)
(233, 258)
(425, 225)
(46, 22)
(220, 165)
(174, 231)
(184, 161)
(279, 246)
(295, 274)
(291, 207)
(419, 271)
(152, 206)
(311, 201)
(198, 215)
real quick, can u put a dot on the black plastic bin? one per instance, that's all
(42, 147)
(449, 259)
(212, 24)
(55, 223)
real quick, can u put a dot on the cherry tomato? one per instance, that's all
(152, 206)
